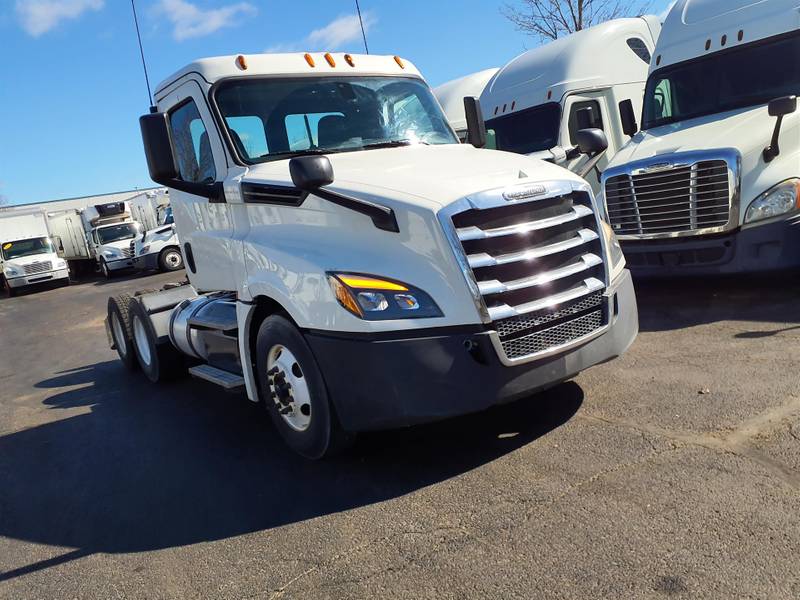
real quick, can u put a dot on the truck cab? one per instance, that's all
(159, 248)
(451, 96)
(712, 182)
(353, 266)
(111, 234)
(594, 78)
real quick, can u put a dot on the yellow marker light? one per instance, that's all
(309, 59)
(330, 60)
(369, 283)
(399, 62)
(349, 60)
(7, 246)
(241, 62)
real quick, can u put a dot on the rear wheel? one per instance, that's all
(159, 361)
(170, 259)
(120, 325)
(294, 392)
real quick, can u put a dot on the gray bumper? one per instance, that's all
(146, 262)
(391, 382)
(119, 265)
(20, 282)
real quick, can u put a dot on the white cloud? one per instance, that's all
(190, 21)
(40, 16)
(334, 36)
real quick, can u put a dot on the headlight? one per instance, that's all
(11, 271)
(61, 264)
(144, 250)
(376, 299)
(615, 257)
(111, 253)
(776, 201)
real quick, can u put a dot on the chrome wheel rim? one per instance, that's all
(140, 335)
(288, 388)
(119, 334)
(173, 260)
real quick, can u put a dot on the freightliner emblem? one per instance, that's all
(665, 166)
(526, 192)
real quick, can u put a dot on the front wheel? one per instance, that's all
(294, 392)
(10, 292)
(170, 259)
(104, 269)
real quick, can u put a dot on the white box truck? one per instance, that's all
(352, 265)
(451, 96)
(27, 253)
(712, 182)
(594, 78)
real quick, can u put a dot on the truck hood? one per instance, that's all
(429, 176)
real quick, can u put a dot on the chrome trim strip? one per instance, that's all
(584, 263)
(682, 160)
(476, 233)
(487, 260)
(588, 286)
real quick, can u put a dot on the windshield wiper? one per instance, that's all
(306, 152)
(393, 144)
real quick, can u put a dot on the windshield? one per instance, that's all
(115, 233)
(747, 76)
(530, 130)
(29, 247)
(273, 118)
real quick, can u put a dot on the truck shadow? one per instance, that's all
(156, 467)
(678, 303)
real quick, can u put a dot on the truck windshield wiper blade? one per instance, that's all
(393, 144)
(306, 152)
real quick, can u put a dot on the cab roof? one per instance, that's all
(219, 67)
(451, 95)
(691, 24)
(589, 59)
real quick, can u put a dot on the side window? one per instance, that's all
(303, 130)
(662, 100)
(584, 115)
(639, 49)
(192, 146)
(248, 135)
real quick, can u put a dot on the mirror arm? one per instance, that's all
(773, 150)
(382, 216)
(591, 164)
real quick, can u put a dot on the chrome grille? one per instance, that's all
(38, 267)
(127, 252)
(538, 266)
(691, 196)
(553, 337)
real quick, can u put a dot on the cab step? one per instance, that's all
(224, 379)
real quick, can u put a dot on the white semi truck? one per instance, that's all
(27, 253)
(594, 78)
(159, 249)
(451, 96)
(712, 182)
(353, 266)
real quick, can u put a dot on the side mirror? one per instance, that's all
(779, 107)
(157, 139)
(628, 117)
(309, 173)
(476, 127)
(591, 141)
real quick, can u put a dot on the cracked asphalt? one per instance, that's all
(673, 472)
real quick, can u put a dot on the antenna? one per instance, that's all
(361, 22)
(141, 52)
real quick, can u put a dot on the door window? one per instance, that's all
(192, 146)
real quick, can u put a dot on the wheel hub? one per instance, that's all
(288, 388)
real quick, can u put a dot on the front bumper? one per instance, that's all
(146, 262)
(772, 246)
(26, 280)
(119, 264)
(394, 382)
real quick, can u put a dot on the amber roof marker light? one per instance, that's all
(241, 62)
(330, 60)
(399, 62)
(309, 59)
(349, 60)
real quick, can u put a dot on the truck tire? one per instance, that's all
(119, 322)
(158, 361)
(294, 392)
(107, 273)
(10, 292)
(170, 259)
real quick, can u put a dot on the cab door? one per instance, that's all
(582, 111)
(205, 228)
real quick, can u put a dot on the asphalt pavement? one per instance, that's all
(673, 472)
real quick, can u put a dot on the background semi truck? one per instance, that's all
(27, 253)
(451, 96)
(712, 182)
(159, 248)
(594, 78)
(352, 265)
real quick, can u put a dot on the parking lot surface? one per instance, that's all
(673, 472)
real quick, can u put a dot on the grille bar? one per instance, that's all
(38, 267)
(485, 260)
(586, 287)
(586, 262)
(476, 233)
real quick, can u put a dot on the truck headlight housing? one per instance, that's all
(377, 299)
(614, 255)
(111, 253)
(144, 250)
(11, 271)
(776, 201)
(61, 264)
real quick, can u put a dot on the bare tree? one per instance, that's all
(551, 19)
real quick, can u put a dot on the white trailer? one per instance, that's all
(27, 253)
(148, 208)
(451, 96)
(352, 265)
(594, 78)
(712, 182)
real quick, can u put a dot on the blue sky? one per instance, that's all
(73, 86)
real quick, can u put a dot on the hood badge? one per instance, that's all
(529, 191)
(665, 166)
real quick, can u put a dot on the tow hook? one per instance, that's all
(475, 351)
